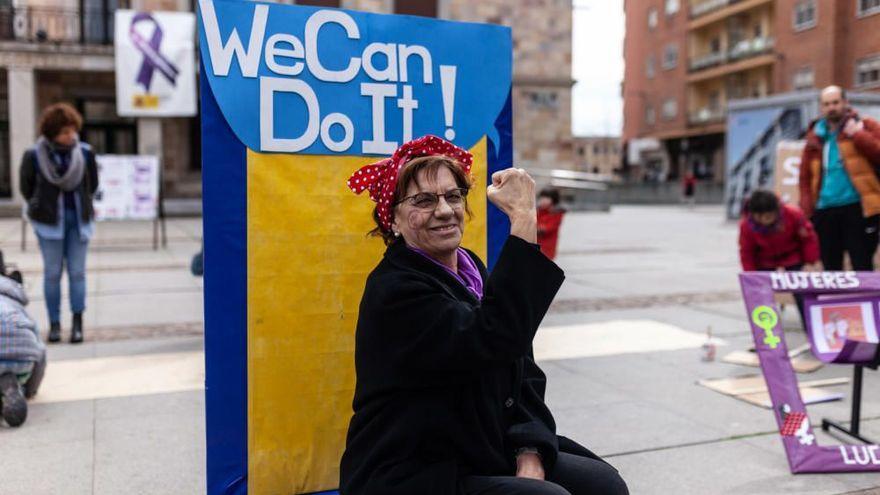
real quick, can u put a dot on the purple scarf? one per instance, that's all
(468, 273)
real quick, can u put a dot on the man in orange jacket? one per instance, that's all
(838, 183)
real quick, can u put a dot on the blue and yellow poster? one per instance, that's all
(294, 99)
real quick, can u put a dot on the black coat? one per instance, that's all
(446, 384)
(42, 196)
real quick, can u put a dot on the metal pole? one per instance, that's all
(857, 399)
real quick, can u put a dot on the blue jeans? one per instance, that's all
(72, 250)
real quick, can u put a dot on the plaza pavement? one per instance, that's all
(124, 412)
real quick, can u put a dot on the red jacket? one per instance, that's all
(548, 230)
(792, 241)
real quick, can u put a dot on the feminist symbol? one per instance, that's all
(153, 59)
(766, 318)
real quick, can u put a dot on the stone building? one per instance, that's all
(62, 50)
(542, 54)
(597, 155)
(686, 60)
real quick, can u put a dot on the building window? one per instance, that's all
(650, 68)
(424, 8)
(670, 109)
(652, 17)
(804, 78)
(670, 56)
(544, 100)
(868, 72)
(650, 115)
(672, 6)
(804, 15)
(867, 7)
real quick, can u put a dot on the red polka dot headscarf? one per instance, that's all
(381, 177)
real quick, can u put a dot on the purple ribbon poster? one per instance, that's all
(150, 48)
(846, 307)
(155, 63)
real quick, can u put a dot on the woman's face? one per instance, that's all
(437, 230)
(67, 136)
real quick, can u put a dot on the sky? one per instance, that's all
(597, 67)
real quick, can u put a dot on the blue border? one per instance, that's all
(224, 203)
(224, 176)
(500, 157)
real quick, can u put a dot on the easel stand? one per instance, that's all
(856, 413)
(159, 221)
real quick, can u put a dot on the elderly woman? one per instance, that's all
(59, 177)
(449, 400)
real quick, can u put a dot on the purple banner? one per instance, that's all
(803, 452)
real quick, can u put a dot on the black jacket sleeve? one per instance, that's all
(533, 424)
(92, 170)
(425, 330)
(27, 175)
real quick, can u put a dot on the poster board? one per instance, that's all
(128, 187)
(294, 99)
(804, 453)
(788, 165)
(843, 329)
(155, 64)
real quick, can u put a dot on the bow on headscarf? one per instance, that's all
(380, 178)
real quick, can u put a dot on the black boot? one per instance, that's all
(76, 331)
(55, 332)
(14, 408)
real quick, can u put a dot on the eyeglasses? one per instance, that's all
(429, 201)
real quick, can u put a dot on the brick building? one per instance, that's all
(62, 50)
(686, 60)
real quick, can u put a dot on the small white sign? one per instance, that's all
(129, 187)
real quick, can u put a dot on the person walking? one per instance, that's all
(839, 187)
(689, 189)
(58, 179)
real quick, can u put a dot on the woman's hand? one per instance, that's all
(513, 192)
(528, 465)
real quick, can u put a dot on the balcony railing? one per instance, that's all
(706, 61)
(706, 116)
(741, 50)
(750, 48)
(707, 6)
(56, 25)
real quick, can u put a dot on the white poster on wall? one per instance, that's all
(128, 187)
(155, 64)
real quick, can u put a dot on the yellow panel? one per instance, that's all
(308, 258)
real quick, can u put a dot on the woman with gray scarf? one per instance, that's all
(58, 178)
